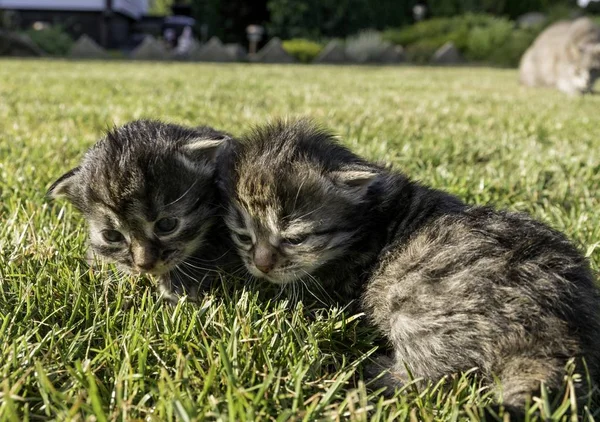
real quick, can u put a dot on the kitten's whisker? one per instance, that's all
(298, 193)
(309, 213)
(195, 267)
(185, 273)
(183, 195)
(305, 284)
(319, 286)
(236, 271)
(278, 295)
(198, 259)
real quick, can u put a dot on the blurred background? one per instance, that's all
(491, 32)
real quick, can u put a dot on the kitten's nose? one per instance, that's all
(146, 266)
(264, 259)
(145, 257)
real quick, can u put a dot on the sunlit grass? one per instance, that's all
(76, 344)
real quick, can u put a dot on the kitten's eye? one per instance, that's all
(166, 225)
(112, 236)
(295, 240)
(243, 238)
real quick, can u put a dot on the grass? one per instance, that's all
(81, 345)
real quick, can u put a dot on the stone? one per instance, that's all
(237, 51)
(447, 54)
(334, 52)
(273, 52)
(213, 51)
(18, 45)
(531, 19)
(193, 49)
(392, 54)
(87, 48)
(150, 49)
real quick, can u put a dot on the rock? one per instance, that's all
(87, 48)
(447, 54)
(273, 52)
(334, 52)
(150, 49)
(193, 49)
(213, 51)
(18, 45)
(392, 54)
(531, 19)
(366, 47)
(237, 51)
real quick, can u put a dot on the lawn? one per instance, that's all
(76, 344)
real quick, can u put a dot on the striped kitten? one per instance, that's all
(566, 55)
(148, 193)
(452, 287)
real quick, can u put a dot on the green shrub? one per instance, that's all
(509, 8)
(302, 49)
(509, 53)
(316, 19)
(480, 38)
(366, 46)
(484, 40)
(454, 29)
(53, 40)
(421, 51)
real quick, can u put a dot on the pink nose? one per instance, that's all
(264, 259)
(264, 268)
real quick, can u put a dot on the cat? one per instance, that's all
(452, 287)
(147, 190)
(566, 55)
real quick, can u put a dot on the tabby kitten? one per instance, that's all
(452, 287)
(566, 56)
(148, 193)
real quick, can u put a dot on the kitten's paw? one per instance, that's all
(382, 373)
(172, 293)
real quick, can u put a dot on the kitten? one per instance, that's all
(566, 55)
(452, 287)
(148, 193)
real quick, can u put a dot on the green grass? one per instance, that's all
(81, 345)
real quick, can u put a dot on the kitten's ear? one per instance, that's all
(355, 180)
(64, 186)
(203, 148)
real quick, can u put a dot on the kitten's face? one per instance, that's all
(590, 57)
(147, 192)
(153, 235)
(289, 221)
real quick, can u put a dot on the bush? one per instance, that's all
(366, 46)
(302, 49)
(510, 8)
(53, 40)
(509, 53)
(455, 29)
(483, 41)
(480, 38)
(422, 51)
(318, 19)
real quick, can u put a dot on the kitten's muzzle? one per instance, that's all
(264, 259)
(145, 257)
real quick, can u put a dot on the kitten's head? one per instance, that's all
(147, 191)
(590, 56)
(297, 200)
